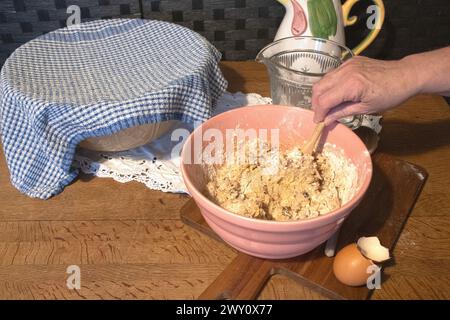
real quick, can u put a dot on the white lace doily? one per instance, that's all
(153, 163)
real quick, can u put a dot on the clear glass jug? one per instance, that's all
(296, 63)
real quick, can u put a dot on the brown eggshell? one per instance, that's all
(350, 266)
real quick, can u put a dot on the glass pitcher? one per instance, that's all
(296, 63)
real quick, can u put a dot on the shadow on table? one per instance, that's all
(374, 212)
(405, 138)
(85, 177)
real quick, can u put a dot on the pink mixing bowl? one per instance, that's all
(262, 238)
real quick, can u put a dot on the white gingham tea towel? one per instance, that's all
(95, 79)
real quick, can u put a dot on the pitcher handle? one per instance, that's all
(349, 21)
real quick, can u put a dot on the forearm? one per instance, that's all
(430, 71)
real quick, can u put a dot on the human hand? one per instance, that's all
(363, 86)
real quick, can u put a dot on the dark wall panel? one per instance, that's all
(238, 28)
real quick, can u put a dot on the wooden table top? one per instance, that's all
(130, 243)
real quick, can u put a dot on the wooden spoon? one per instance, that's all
(310, 146)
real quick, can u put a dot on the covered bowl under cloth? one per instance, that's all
(95, 79)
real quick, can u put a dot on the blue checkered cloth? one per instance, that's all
(95, 79)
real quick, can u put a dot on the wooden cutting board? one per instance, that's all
(383, 212)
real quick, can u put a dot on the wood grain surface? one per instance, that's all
(129, 242)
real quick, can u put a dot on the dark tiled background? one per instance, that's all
(238, 28)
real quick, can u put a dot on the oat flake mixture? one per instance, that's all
(302, 186)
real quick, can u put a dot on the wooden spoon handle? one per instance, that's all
(243, 279)
(310, 145)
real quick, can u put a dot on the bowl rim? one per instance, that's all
(268, 225)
